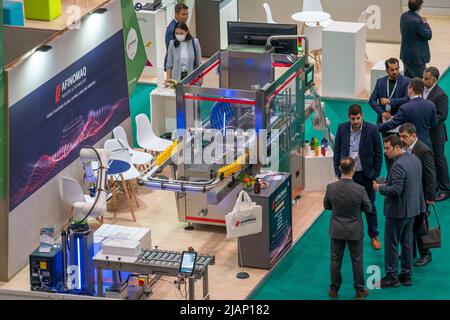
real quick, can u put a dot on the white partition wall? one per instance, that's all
(343, 67)
(45, 204)
(153, 29)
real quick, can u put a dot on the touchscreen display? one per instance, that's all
(187, 265)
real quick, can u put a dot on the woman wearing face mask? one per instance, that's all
(184, 53)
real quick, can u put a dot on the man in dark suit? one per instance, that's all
(181, 15)
(347, 199)
(403, 202)
(390, 92)
(438, 135)
(408, 135)
(388, 95)
(361, 141)
(416, 32)
(418, 111)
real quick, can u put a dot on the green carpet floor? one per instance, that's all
(303, 274)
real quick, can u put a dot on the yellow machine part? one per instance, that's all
(166, 154)
(237, 165)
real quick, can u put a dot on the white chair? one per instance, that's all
(146, 138)
(118, 152)
(269, 18)
(314, 35)
(139, 158)
(315, 5)
(72, 192)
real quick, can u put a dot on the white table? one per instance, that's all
(315, 17)
(311, 16)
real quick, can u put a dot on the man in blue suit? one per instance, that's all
(416, 32)
(181, 15)
(418, 111)
(390, 92)
(403, 201)
(361, 141)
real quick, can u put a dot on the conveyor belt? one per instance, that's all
(171, 259)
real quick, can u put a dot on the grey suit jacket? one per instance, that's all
(347, 200)
(174, 58)
(403, 189)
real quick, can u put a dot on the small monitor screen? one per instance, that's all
(187, 265)
(309, 76)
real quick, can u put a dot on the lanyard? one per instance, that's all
(390, 94)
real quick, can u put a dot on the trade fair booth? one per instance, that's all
(113, 196)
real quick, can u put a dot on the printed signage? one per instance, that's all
(76, 108)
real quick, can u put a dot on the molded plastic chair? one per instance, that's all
(146, 138)
(117, 151)
(314, 35)
(269, 18)
(72, 192)
(138, 158)
(315, 5)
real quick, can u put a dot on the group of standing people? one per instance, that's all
(412, 110)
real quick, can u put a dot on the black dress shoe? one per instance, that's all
(360, 295)
(389, 282)
(406, 281)
(442, 196)
(423, 260)
(333, 293)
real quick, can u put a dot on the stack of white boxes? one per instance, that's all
(121, 240)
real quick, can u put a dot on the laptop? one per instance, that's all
(152, 6)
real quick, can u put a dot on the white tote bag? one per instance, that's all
(245, 219)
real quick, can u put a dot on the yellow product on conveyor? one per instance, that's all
(237, 165)
(166, 154)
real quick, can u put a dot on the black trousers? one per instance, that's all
(398, 231)
(443, 181)
(356, 255)
(371, 217)
(414, 70)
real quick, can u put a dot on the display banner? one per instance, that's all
(136, 57)
(76, 108)
(280, 224)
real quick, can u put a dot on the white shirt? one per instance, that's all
(427, 91)
(184, 56)
(414, 97)
(411, 147)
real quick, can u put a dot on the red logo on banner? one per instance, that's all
(58, 94)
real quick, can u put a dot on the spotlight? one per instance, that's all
(100, 10)
(44, 48)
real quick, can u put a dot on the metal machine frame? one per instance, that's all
(208, 200)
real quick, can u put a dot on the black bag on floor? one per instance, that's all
(433, 237)
(420, 227)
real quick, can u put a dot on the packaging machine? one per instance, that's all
(240, 112)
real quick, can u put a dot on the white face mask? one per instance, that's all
(180, 37)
